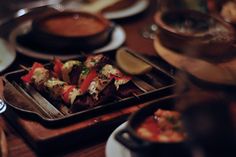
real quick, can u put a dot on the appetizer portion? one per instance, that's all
(79, 84)
(163, 126)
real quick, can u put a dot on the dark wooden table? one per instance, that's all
(133, 26)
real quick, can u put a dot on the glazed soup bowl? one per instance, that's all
(71, 31)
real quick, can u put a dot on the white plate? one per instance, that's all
(114, 148)
(7, 53)
(117, 39)
(136, 8)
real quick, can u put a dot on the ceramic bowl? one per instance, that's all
(195, 33)
(141, 147)
(71, 31)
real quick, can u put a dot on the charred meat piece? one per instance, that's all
(96, 60)
(87, 101)
(54, 87)
(128, 90)
(75, 74)
(97, 85)
(67, 71)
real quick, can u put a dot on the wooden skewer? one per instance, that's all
(24, 67)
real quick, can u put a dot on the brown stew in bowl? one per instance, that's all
(163, 126)
(77, 25)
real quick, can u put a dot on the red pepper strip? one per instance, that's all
(57, 67)
(85, 84)
(65, 95)
(27, 77)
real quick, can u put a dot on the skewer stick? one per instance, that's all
(24, 67)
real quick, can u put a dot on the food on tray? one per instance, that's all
(69, 30)
(131, 64)
(77, 25)
(75, 72)
(164, 126)
(79, 84)
(229, 11)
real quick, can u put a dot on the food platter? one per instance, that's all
(117, 39)
(160, 84)
(7, 53)
(114, 148)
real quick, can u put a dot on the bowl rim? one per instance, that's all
(37, 22)
(165, 27)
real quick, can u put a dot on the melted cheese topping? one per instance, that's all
(40, 76)
(73, 94)
(92, 61)
(67, 68)
(96, 86)
(109, 71)
(55, 86)
(121, 81)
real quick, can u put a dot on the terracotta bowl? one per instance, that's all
(71, 31)
(141, 147)
(195, 33)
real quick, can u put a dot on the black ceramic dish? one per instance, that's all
(140, 147)
(161, 82)
(56, 40)
(195, 33)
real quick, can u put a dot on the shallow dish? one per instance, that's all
(71, 30)
(19, 37)
(157, 84)
(195, 33)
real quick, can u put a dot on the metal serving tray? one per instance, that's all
(29, 103)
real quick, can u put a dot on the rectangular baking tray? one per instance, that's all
(25, 105)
